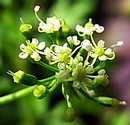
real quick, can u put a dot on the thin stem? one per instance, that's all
(75, 50)
(94, 60)
(90, 76)
(47, 66)
(51, 37)
(80, 51)
(16, 95)
(54, 86)
(93, 42)
(44, 81)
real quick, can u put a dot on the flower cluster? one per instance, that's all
(32, 48)
(52, 24)
(76, 62)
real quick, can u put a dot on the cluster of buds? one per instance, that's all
(77, 62)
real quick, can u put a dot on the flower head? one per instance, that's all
(32, 48)
(52, 23)
(89, 28)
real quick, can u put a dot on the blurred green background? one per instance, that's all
(113, 15)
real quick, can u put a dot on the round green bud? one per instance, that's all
(89, 24)
(66, 28)
(69, 114)
(25, 28)
(39, 91)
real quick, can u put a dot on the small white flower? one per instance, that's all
(33, 49)
(36, 8)
(74, 40)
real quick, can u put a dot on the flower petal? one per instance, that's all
(23, 55)
(34, 41)
(41, 45)
(22, 47)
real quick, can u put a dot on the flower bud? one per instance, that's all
(101, 80)
(69, 114)
(111, 102)
(39, 91)
(23, 78)
(25, 29)
(66, 28)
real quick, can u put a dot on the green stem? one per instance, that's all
(80, 51)
(51, 37)
(45, 81)
(47, 66)
(16, 95)
(54, 86)
(93, 42)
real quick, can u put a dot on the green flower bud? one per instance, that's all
(69, 114)
(66, 28)
(89, 24)
(111, 102)
(39, 91)
(23, 78)
(25, 29)
(101, 80)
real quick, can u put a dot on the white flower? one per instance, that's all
(32, 49)
(73, 40)
(57, 23)
(58, 54)
(52, 23)
(47, 28)
(83, 30)
(89, 28)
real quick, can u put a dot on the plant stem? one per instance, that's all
(46, 80)
(16, 95)
(47, 66)
(54, 86)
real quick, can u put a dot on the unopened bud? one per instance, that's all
(69, 114)
(39, 91)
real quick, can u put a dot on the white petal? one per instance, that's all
(22, 47)
(100, 29)
(102, 58)
(35, 56)
(69, 38)
(23, 55)
(41, 45)
(34, 41)
(108, 51)
(101, 43)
